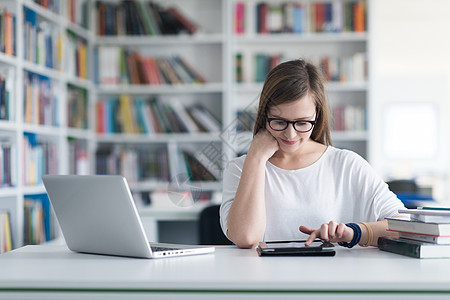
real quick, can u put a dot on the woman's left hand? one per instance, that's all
(331, 232)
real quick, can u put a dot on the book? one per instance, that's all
(239, 17)
(402, 225)
(436, 215)
(436, 239)
(5, 232)
(188, 25)
(413, 248)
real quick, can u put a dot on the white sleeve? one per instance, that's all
(231, 177)
(379, 200)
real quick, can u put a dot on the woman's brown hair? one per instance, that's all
(291, 81)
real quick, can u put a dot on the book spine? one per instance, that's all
(239, 17)
(188, 25)
(399, 247)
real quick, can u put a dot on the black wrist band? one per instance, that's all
(356, 236)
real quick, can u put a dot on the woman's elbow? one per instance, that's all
(244, 241)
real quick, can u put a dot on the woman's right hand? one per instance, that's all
(264, 145)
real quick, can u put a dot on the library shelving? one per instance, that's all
(162, 92)
(332, 34)
(44, 76)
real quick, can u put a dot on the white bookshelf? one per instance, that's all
(212, 51)
(12, 198)
(206, 51)
(309, 45)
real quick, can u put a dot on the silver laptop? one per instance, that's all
(97, 214)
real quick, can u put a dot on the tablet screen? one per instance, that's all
(298, 244)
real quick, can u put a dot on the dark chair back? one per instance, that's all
(210, 232)
(403, 186)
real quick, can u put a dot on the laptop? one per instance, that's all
(97, 215)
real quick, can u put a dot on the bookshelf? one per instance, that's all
(333, 34)
(93, 121)
(167, 113)
(45, 60)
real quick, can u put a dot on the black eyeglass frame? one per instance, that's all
(293, 124)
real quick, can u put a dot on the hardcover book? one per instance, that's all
(437, 215)
(435, 239)
(402, 225)
(412, 248)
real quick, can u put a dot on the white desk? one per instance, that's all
(53, 272)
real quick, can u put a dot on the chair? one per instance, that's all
(408, 192)
(210, 232)
(403, 186)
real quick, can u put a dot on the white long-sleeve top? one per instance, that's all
(341, 186)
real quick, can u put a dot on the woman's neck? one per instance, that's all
(305, 156)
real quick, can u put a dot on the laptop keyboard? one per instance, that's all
(156, 248)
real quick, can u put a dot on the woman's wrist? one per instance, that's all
(256, 158)
(356, 236)
(367, 235)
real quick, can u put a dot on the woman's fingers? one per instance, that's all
(332, 232)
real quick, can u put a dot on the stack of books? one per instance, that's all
(425, 235)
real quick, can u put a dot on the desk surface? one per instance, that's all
(229, 269)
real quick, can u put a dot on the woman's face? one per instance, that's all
(289, 139)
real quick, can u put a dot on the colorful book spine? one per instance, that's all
(78, 157)
(147, 116)
(6, 241)
(77, 107)
(42, 41)
(40, 100)
(39, 158)
(239, 18)
(121, 66)
(7, 105)
(52, 5)
(77, 11)
(77, 62)
(349, 118)
(264, 63)
(142, 18)
(39, 223)
(7, 159)
(7, 32)
(135, 163)
(239, 68)
(310, 17)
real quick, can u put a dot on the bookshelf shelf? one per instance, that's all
(39, 69)
(9, 192)
(161, 138)
(255, 88)
(79, 133)
(45, 13)
(160, 40)
(80, 82)
(160, 89)
(49, 131)
(309, 38)
(8, 126)
(8, 59)
(78, 30)
(32, 190)
(349, 135)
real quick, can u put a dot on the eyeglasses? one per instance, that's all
(300, 126)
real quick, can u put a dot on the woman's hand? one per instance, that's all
(331, 232)
(264, 145)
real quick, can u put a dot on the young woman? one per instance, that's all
(293, 184)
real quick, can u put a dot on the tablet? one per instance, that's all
(295, 248)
